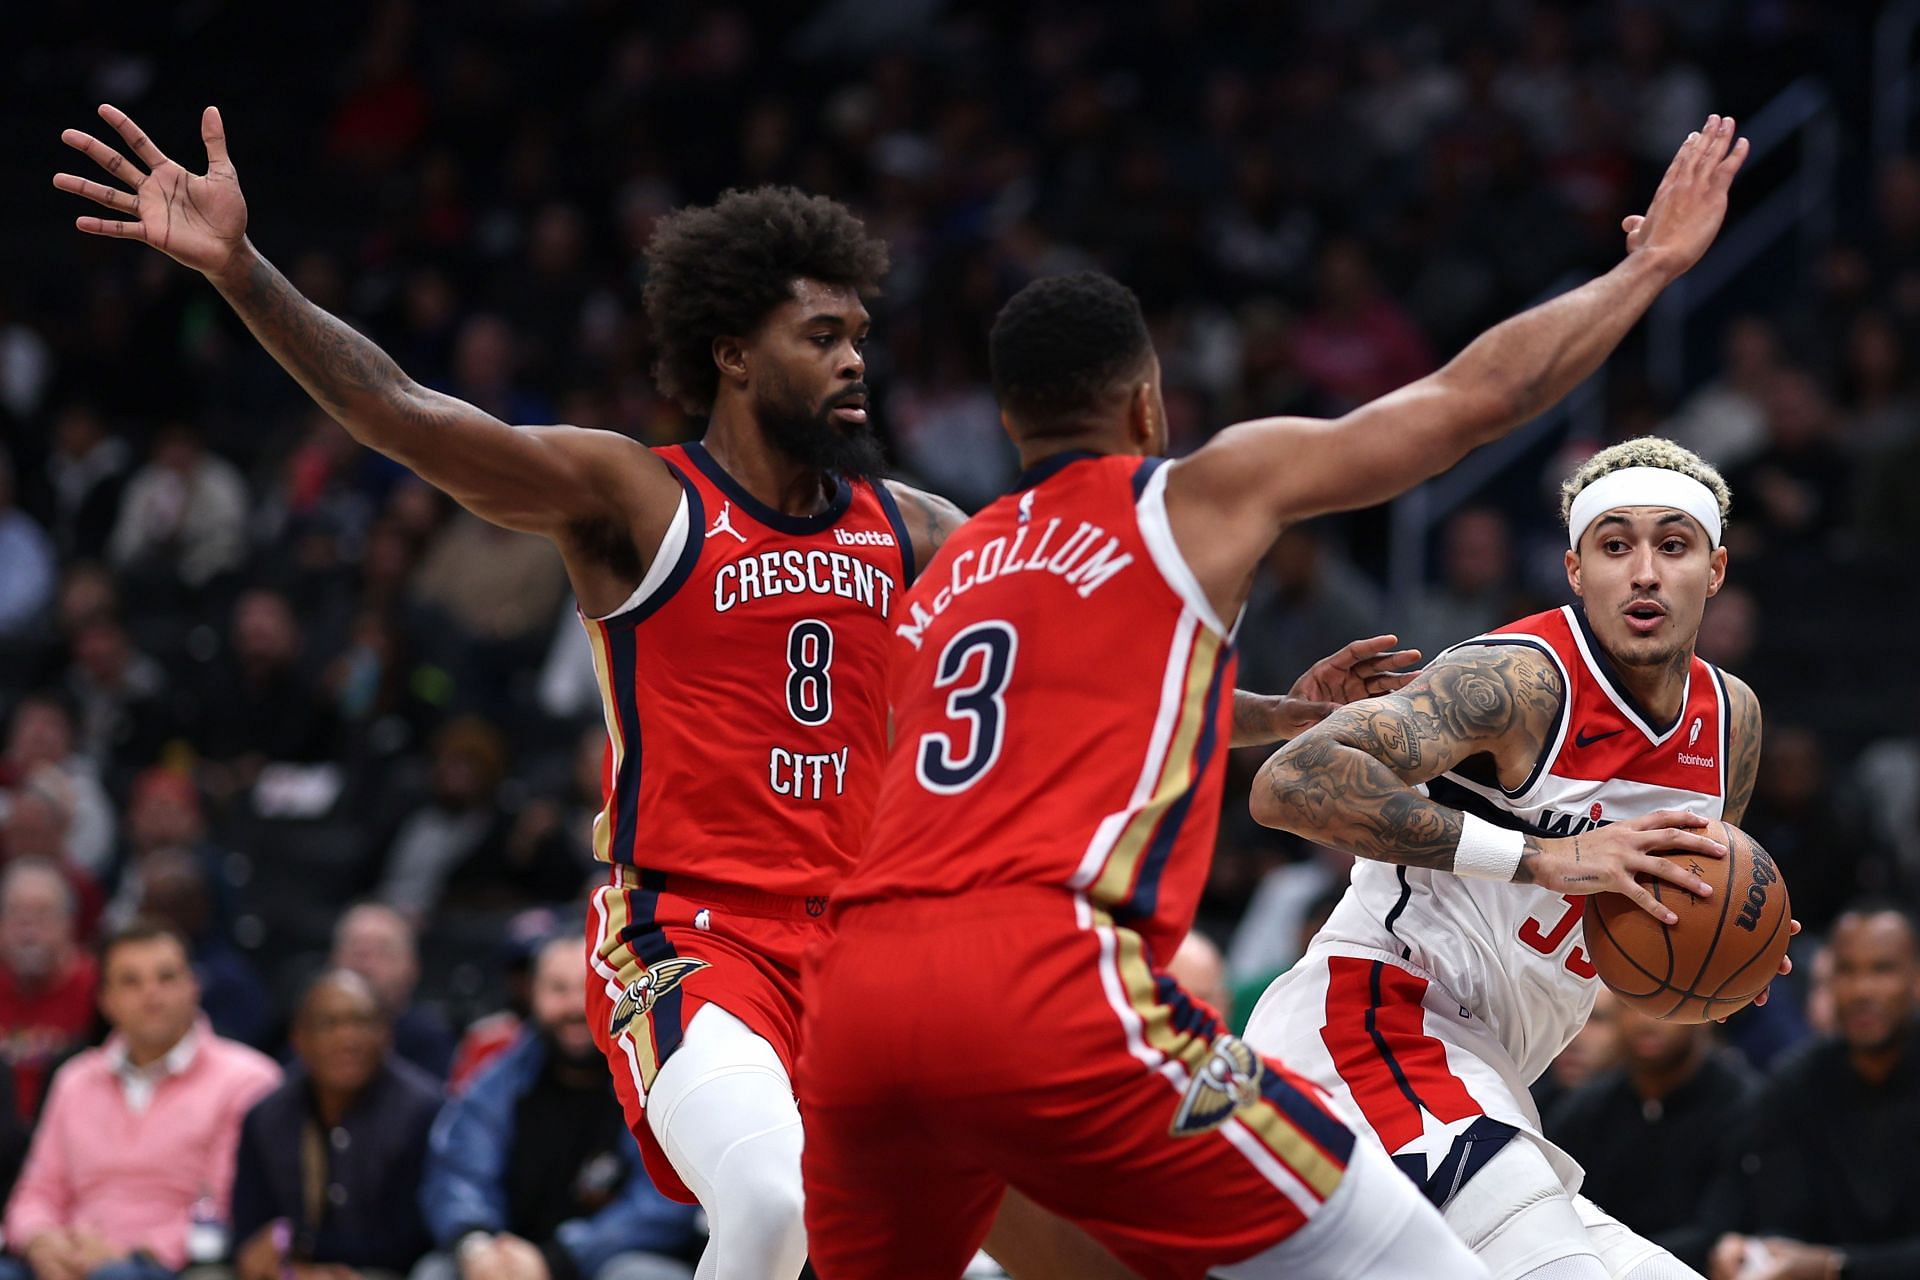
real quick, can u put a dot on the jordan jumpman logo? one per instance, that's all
(725, 523)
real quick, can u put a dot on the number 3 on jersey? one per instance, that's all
(980, 701)
(1548, 941)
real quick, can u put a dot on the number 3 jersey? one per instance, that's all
(1061, 692)
(743, 686)
(1514, 955)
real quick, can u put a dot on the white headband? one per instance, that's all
(1643, 487)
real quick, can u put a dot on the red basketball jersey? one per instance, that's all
(743, 686)
(1060, 692)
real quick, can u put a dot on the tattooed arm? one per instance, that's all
(930, 521)
(600, 495)
(1743, 744)
(1349, 783)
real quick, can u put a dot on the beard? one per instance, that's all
(809, 435)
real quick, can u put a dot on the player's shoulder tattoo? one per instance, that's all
(1743, 746)
(930, 520)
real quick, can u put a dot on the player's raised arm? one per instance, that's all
(540, 480)
(1349, 783)
(1229, 500)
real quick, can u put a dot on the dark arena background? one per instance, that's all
(253, 676)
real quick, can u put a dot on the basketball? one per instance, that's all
(1723, 952)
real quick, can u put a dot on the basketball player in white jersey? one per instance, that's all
(1553, 758)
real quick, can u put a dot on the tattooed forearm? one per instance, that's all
(1349, 782)
(1743, 742)
(350, 377)
(1339, 794)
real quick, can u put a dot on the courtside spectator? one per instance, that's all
(46, 979)
(137, 1137)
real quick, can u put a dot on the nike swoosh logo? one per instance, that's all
(1581, 739)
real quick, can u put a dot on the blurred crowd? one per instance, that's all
(251, 674)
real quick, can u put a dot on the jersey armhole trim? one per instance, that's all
(1550, 746)
(1726, 732)
(1157, 532)
(672, 562)
(890, 506)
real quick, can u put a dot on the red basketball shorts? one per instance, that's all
(956, 1045)
(658, 948)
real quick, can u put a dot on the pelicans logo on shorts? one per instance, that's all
(639, 997)
(1226, 1082)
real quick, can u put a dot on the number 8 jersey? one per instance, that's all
(1061, 689)
(743, 686)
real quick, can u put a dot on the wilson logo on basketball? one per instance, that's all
(1764, 874)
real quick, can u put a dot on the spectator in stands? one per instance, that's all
(1797, 488)
(1657, 1134)
(1725, 421)
(1475, 592)
(174, 890)
(42, 736)
(1357, 343)
(184, 514)
(532, 1173)
(138, 1135)
(1802, 817)
(463, 848)
(1829, 1188)
(378, 943)
(122, 694)
(38, 817)
(488, 1037)
(46, 979)
(1307, 602)
(164, 814)
(86, 475)
(329, 1167)
(1590, 1052)
(261, 706)
(26, 588)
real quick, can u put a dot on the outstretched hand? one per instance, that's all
(1363, 669)
(198, 220)
(1691, 202)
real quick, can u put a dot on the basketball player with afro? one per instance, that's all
(1555, 757)
(736, 591)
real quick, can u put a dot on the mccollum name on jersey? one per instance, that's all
(1074, 559)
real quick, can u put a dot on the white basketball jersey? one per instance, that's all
(1514, 955)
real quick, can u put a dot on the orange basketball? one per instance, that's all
(1723, 952)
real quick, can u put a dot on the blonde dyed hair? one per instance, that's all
(1646, 451)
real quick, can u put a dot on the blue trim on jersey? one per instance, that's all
(1604, 664)
(1144, 473)
(682, 568)
(766, 515)
(647, 939)
(1052, 465)
(1145, 897)
(623, 664)
(1194, 1019)
(891, 506)
(1308, 1116)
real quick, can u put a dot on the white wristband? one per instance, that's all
(1487, 852)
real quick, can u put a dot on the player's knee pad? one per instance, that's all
(1626, 1255)
(724, 1112)
(1515, 1213)
(759, 1211)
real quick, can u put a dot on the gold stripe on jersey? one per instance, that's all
(1275, 1130)
(627, 968)
(1115, 880)
(603, 680)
